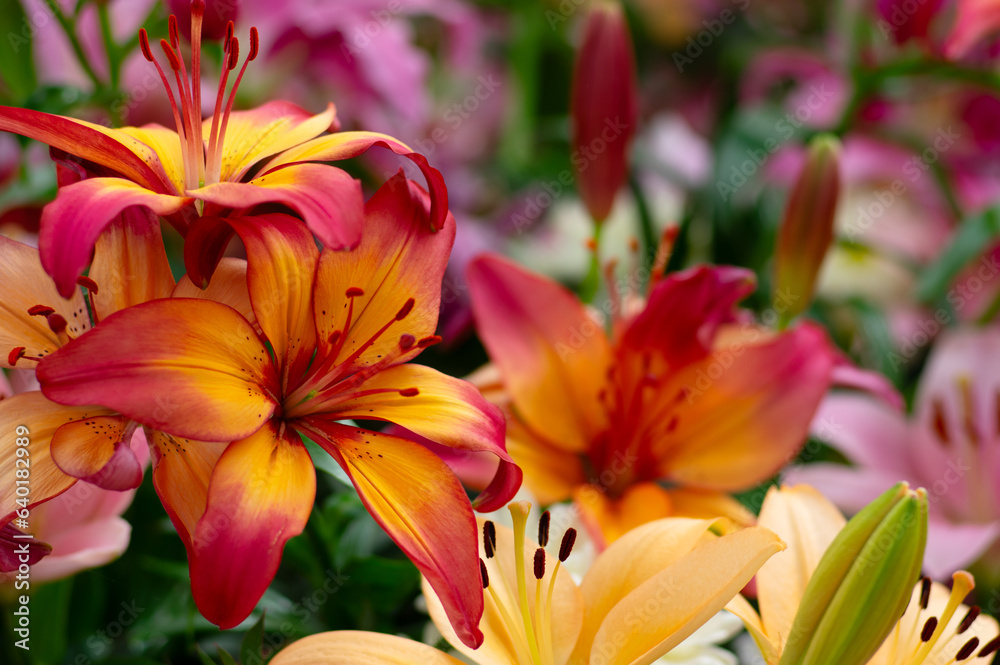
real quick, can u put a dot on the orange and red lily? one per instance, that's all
(339, 327)
(681, 392)
(204, 169)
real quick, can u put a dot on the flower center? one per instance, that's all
(201, 167)
(935, 640)
(64, 330)
(528, 625)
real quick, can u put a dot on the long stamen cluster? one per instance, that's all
(200, 167)
(530, 626)
(934, 637)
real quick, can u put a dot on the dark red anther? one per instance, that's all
(144, 45)
(925, 592)
(543, 528)
(566, 546)
(234, 53)
(539, 563)
(254, 44)
(405, 310)
(409, 392)
(928, 631)
(15, 354)
(172, 30)
(355, 292)
(489, 539)
(56, 323)
(406, 341)
(229, 35)
(970, 618)
(991, 646)
(40, 310)
(484, 574)
(87, 283)
(429, 341)
(967, 649)
(172, 57)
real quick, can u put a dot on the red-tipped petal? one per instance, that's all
(399, 259)
(95, 450)
(194, 368)
(554, 358)
(11, 543)
(260, 495)
(346, 145)
(328, 199)
(422, 506)
(72, 223)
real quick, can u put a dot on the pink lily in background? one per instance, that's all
(949, 445)
(340, 328)
(204, 169)
(975, 21)
(680, 391)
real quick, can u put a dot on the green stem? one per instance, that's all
(68, 28)
(114, 55)
(649, 239)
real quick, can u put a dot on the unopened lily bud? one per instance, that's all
(862, 584)
(216, 16)
(603, 108)
(807, 228)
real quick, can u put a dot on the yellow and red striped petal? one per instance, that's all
(23, 286)
(258, 133)
(328, 199)
(281, 269)
(109, 148)
(346, 145)
(167, 146)
(96, 449)
(71, 224)
(747, 411)
(130, 263)
(182, 469)
(554, 358)
(352, 647)
(399, 259)
(40, 418)
(438, 407)
(228, 286)
(194, 368)
(419, 502)
(259, 496)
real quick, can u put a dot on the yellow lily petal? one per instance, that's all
(167, 146)
(130, 264)
(665, 609)
(228, 286)
(808, 522)
(751, 621)
(608, 519)
(629, 562)
(350, 647)
(549, 472)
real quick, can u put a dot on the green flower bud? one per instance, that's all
(862, 584)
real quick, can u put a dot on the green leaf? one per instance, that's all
(225, 657)
(974, 236)
(17, 68)
(251, 649)
(202, 656)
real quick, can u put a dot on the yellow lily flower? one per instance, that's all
(936, 628)
(643, 596)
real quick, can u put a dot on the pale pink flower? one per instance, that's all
(950, 445)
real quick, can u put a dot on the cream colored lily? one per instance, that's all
(644, 595)
(936, 628)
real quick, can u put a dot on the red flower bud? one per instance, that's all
(604, 107)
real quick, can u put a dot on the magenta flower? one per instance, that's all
(950, 445)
